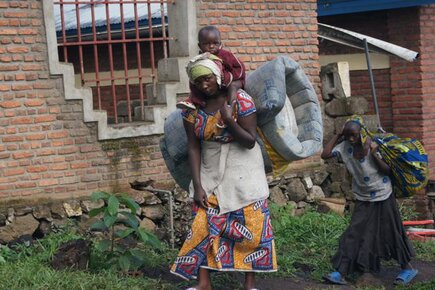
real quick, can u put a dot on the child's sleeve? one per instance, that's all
(234, 69)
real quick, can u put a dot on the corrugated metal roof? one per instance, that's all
(85, 12)
(336, 7)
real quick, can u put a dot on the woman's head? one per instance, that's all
(204, 73)
(352, 132)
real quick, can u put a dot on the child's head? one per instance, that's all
(209, 39)
(352, 132)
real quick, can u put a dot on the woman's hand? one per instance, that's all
(227, 112)
(200, 198)
(373, 148)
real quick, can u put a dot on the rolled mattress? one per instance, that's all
(288, 114)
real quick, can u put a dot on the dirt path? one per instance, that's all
(384, 278)
(234, 280)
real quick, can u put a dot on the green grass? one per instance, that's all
(27, 267)
(307, 241)
(303, 243)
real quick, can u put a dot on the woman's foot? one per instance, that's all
(405, 276)
(204, 282)
(335, 278)
(250, 281)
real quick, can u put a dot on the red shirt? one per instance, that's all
(233, 70)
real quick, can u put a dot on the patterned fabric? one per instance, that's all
(232, 70)
(241, 240)
(209, 127)
(205, 64)
(405, 156)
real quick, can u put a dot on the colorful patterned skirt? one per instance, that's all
(241, 240)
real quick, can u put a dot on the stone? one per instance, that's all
(42, 212)
(154, 212)
(291, 208)
(85, 222)
(58, 211)
(181, 196)
(357, 105)
(2, 219)
(277, 196)
(72, 208)
(336, 108)
(296, 190)
(302, 204)
(369, 120)
(88, 205)
(20, 211)
(152, 200)
(10, 216)
(137, 196)
(299, 211)
(335, 187)
(335, 80)
(22, 225)
(289, 176)
(43, 229)
(338, 172)
(319, 177)
(148, 224)
(328, 128)
(315, 193)
(308, 183)
(347, 107)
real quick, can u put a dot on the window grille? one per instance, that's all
(114, 46)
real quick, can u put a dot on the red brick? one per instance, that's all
(12, 138)
(21, 155)
(22, 120)
(10, 104)
(13, 171)
(44, 119)
(57, 134)
(8, 31)
(48, 182)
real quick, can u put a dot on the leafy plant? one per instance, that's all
(120, 210)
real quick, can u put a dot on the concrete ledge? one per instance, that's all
(66, 71)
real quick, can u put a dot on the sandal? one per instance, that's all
(335, 278)
(405, 276)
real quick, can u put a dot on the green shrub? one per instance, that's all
(116, 254)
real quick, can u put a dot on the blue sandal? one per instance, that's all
(405, 276)
(335, 278)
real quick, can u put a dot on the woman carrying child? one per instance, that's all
(376, 231)
(231, 230)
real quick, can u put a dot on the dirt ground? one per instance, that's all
(385, 278)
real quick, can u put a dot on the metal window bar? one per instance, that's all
(111, 76)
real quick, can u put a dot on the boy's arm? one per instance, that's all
(327, 151)
(382, 166)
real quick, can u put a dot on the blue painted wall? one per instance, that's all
(334, 7)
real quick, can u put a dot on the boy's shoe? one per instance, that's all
(405, 276)
(335, 278)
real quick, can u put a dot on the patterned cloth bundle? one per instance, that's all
(406, 157)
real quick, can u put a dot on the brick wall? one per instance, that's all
(46, 149)
(427, 60)
(258, 30)
(361, 87)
